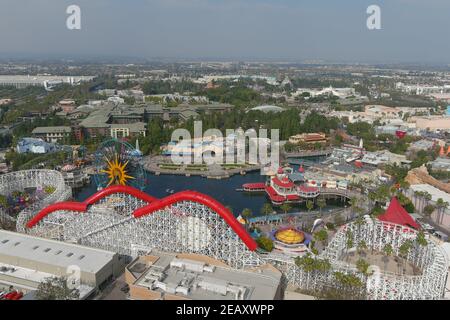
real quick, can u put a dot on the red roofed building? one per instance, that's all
(283, 183)
(395, 213)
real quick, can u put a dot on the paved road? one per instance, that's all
(436, 226)
(112, 291)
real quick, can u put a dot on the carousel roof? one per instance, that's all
(290, 236)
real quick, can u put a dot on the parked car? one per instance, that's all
(440, 235)
(17, 296)
(9, 295)
(428, 227)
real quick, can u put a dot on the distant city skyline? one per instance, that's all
(413, 31)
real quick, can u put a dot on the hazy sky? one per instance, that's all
(334, 30)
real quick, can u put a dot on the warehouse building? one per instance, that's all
(167, 276)
(25, 261)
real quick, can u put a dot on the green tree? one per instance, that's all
(349, 286)
(265, 243)
(286, 207)
(404, 250)
(3, 201)
(421, 239)
(321, 203)
(362, 245)
(349, 243)
(49, 189)
(388, 251)
(428, 210)
(54, 288)
(267, 209)
(307, 263)
(309, 205)
(321, 236)
(354, 202)
(247, 213)
(362, 266)
(441, 206)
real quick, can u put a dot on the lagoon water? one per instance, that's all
(222, 190)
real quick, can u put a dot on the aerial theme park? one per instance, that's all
(359, 256)
(265, 162)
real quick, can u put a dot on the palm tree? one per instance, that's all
(428, 210)
(312, 265)
(404, 185)
(267, 209)
(388, 251)
(444, 207)
(441, 206)
(361, 247)
(427, 196)
(309, 205)
(421, 240)
(321, 203)
(247, 213)
(418, 195)
(350, 286)
(383, 193)
(286, 207)
(353, 204)
(363, 266)
(373, 198)
(321, 236)
(359, 222)
(349, 243)
(403, 250)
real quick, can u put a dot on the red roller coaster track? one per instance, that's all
(153, 206)
(69, 206)
(119, 189)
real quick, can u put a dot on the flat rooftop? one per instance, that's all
(198, 280)
(57, 129)
(52, 252)
(435, 192)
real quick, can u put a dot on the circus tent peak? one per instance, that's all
(395, 213)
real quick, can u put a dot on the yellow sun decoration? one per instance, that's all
(117, 172)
